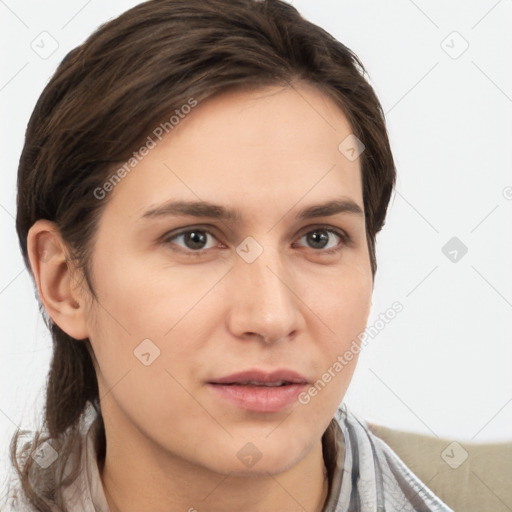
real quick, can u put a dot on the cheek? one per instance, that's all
(344, 308)
(169, 306)
(148, 299)
(344, 302)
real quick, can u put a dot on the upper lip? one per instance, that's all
(262, 376)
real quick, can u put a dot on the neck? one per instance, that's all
(142, 478)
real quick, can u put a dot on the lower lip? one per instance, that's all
(259, 398)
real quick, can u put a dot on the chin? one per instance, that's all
(260, 457)
(262, 468)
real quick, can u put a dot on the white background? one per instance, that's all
(443, 365)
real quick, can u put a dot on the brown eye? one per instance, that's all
(324, 239)
(194, 240)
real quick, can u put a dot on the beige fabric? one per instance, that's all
(468, 477)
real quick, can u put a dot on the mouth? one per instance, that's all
(260, 391)
(275, 384)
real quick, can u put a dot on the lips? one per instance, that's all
(258, 390)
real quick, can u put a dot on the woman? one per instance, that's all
(198, 199)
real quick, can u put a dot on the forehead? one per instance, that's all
(249, 149)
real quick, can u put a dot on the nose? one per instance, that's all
(263, 303)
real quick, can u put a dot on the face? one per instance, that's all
(211, 330)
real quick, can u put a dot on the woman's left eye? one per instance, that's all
(319, 239)
(196, 241)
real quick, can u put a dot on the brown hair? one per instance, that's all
(109, 93)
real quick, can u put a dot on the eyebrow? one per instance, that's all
(215, 211)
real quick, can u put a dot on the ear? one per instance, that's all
(55, 279)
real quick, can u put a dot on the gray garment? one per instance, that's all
(365, 475)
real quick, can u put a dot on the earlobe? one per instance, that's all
(54, 279)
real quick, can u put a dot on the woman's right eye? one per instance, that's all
(191, 240)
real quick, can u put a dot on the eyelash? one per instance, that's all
(344, 237)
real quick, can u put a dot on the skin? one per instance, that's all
(172, 443)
